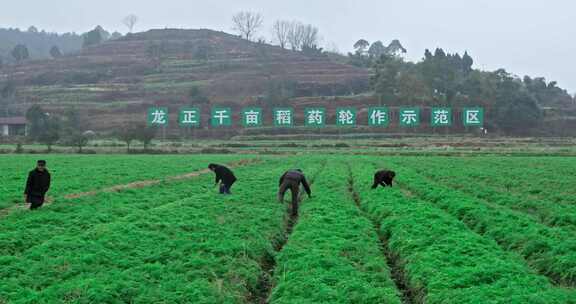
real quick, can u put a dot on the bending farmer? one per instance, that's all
(383, 178)
(292, 180)
(224, 176)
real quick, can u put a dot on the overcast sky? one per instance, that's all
(532, 37)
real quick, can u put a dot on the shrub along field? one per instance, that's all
(484, 229)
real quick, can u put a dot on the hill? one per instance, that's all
(116, 81)
(113, 83)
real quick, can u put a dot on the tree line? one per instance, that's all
(17, 45)
(293, 35)
(515, 105)
(70, 129)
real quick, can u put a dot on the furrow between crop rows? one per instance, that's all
(261, 292)
(332, 255)
(202, 249)
(543, 211)
(82, 173)
(443, 260)
(550, 251)
(396, 270)
(73, 216)
(130, 186)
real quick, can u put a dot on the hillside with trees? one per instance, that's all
(110, 80)
(18, 45)
(515, 105)
(36, 44)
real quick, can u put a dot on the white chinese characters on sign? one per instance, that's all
(473, 117)
(409, 117)
(345, 117)
(378, 117)
(315, 117)
(441, 117)
(252, 117)
(189, 117)
(159, 117)
(221, 116)
(283, 117)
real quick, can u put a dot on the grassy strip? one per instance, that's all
(551, 251)
(202, 249)
(74, 173)
(466, 180)
(332, 255)
(23, 229)
(548, 178)
(445, 262)
(264, 287)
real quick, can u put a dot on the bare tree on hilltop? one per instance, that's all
(281, 30)
(310, 37)
(130, 22)
(247, 24)
(301, 36)
(296, 35)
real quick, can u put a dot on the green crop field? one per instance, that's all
(152, 229)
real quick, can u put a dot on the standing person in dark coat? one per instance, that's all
(37, 185)
(292, 180)
(224, 176)
(383, 178)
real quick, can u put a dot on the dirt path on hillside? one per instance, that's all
(132, 185)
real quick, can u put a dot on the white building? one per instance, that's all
(13, 126)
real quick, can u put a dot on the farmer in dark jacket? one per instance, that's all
(37, 185)
(383, 178)
(292, 180)
(224, 176)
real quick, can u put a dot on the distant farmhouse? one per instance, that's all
(13, 126)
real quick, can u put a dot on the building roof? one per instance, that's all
(13, 121)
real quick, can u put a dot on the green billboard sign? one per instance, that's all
(473, 117)
(157, 116)
(189, 117)
(252, 117)
(221, 117)
(378, 117)
(283, 117)
(315, 117)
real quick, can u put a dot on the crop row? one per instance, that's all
(544, 177)
(548, 178)
(73, 173)
(445, 262)
(466, 180)
(551, 251)
(198, 248)
(332, 256)
(23, 229)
